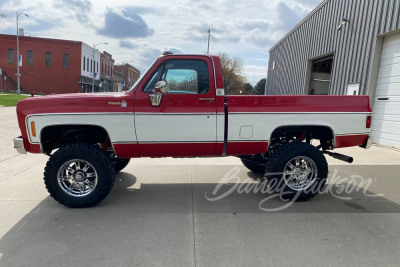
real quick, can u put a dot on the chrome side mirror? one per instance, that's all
(159, 90)
(155, 100)
(161, 87)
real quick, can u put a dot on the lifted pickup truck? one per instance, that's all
(179, 109)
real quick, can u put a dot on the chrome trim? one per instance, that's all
(294, 112)
(207, 99)
(177, 142)
(160, 113)
(369, 143)
(81, 113)
(124, 142)
(248, 141)
(19, 145)
(352, 134)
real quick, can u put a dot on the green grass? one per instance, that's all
(10, 100)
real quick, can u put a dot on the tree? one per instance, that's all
(232, 68)
(260, 87)
(248, 89)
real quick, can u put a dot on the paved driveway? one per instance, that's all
(158, 214)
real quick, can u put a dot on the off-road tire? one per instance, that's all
(100, 162)
(279, 159)
(254, 166)
(120, 164)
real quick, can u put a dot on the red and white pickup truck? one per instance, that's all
(179, 109)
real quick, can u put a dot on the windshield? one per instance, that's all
(141, 78)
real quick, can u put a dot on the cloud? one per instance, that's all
(77, 8)
(255, 73)
(142, 10)
(142, 53)
(127, 44)
(124, 25)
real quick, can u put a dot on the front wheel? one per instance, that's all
(79, 175)
(297, 171)
(120, 164)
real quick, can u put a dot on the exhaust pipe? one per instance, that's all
(339, 156)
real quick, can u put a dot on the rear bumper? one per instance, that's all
(19, 145)
(368, 143)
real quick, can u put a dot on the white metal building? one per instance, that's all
(345, 47)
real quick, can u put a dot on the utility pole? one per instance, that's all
(18, 74)
(94, 65)
(209, 35)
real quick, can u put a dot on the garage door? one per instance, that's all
(386, 119)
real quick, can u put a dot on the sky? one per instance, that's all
(138, 31)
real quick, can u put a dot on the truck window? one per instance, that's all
(182, 76)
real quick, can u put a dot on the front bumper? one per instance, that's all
(368, 143)
(19, 145)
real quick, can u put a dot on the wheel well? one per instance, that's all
(53, 137)
(285, 134)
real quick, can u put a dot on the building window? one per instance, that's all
(84, 62)
(102, 69)
(66, 61)
(87, 64)
(29, 57)
(48, 59)
(97, 67)
(11, 56)
(91, 65)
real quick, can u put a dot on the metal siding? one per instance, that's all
(353, 46)
(386, 119)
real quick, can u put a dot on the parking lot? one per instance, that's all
(166, 212)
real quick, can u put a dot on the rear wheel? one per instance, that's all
(254, 166)
(298, 171)
(79, 175)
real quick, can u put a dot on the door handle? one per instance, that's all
(207, 99)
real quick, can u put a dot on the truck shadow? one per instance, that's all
(144, 209)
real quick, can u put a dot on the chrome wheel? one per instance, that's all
(300, 173)
(77, 178)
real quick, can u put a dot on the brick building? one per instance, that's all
(107, 72)
(129, 75)
(49, 66)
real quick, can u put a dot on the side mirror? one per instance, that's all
(159, 90)
(161, 87)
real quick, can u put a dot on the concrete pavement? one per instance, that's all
(158, 215)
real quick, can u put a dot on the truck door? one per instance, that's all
(179, 119)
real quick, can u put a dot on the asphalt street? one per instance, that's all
(171, 212)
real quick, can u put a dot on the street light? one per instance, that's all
(94, 66)
(18, 75)
(123, 64)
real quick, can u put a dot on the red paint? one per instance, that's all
(278, 103)
(127, 150)
(138, 101)
(178, 149)
(246, 148)
(368, 122)
(38, 78)
(350, 140)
